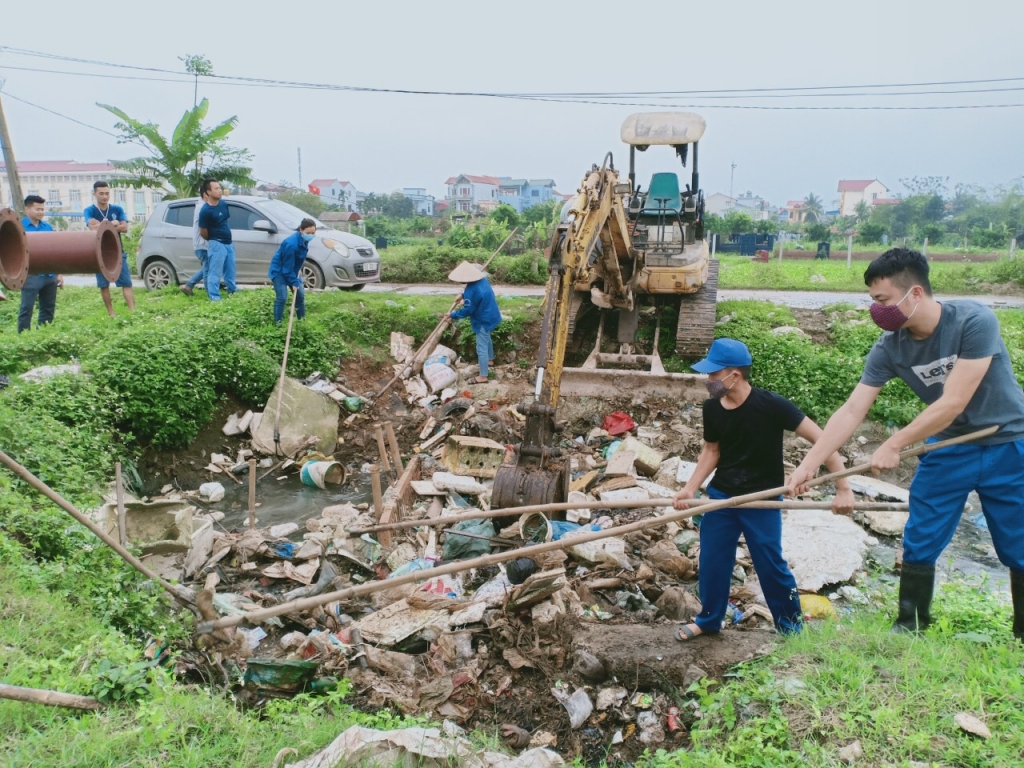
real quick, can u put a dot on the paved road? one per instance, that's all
(796, 299)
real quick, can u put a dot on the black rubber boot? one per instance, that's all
(1017, 590)
(917, 582)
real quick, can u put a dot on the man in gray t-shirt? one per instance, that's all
(199, 247)
(953, 357)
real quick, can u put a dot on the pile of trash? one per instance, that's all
(543, 650)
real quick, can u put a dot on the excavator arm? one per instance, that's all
(593, 240)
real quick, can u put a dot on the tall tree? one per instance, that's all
(813, 209)
(862, 211)
(196, 65)
(182, 162)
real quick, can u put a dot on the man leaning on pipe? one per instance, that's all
(42, 286)
(953, 357)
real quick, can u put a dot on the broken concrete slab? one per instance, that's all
(620, 464)
(473, 456)
(685, 471)
(308, 418)
(875, 488)
(447, 481)
(887, 523)
(624, 494)
(647, 461)
(821, 547)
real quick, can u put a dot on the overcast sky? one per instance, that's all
(382, 142)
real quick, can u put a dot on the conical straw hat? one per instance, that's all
(467, 273)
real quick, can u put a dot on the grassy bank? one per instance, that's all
(840, 682)
(429, 263)
(796, 275)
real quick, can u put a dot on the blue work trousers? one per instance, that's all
(484, 350)
(200, 276)
(220, 265)
(281, 298)
(45, 288)
(762, 530)
(939, 491)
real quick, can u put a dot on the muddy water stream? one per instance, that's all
(288, 500)
(970, 554)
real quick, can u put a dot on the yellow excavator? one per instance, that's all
(617, 249)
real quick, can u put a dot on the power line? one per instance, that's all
(585, 97)
(10, 95)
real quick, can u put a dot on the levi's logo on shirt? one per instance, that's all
(936, 371)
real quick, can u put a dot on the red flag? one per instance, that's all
(314, 190)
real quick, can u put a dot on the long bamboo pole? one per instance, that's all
(179, 593)
(864, 506)
(49, 698)
(435, 335)
(538, 549)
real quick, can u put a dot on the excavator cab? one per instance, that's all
(617, 249)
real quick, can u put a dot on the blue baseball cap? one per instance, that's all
(724, 353)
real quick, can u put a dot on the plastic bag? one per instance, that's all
(463, 547)
(618, 423)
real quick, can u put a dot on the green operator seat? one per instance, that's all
(663, 195)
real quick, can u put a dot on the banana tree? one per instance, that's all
(180, 164)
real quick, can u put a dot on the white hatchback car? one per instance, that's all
(258, 226)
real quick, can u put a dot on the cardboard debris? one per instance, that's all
(536, 588)
(394, 623)
(287, 570)
(422, 747)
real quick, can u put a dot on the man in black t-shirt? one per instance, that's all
(743, 428)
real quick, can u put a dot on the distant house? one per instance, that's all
(753, 205)
(795, 211)
(337, 192)
(522, 194)
(346, 221)
(467, 193)
(423, 203)
(854, 191)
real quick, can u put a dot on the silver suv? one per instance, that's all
(258, 226)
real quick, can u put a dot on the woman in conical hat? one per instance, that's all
(481, 307)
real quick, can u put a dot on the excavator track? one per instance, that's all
(696, 327)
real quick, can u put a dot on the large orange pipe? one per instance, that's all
(68, 253)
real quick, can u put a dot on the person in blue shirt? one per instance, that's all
(480, 306)
(95, 215)
(286, 266)
(42, 286)
(214, 228)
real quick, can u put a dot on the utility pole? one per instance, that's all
(732, 174)
(17, 198)
(300, 167)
